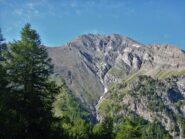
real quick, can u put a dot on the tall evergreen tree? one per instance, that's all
(3, 90)
(28, 69)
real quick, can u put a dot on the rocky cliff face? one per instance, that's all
(92, 64)
(151, 99)
(85, 62)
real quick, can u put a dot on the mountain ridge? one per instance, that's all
(82, 42)
(85, 45)
(91, 64)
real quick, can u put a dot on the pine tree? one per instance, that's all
(32, 94)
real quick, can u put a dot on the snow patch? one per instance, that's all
(100, 98)
(98, 49)
(105, 90)
(109, 47)
(127, 49)
(136, 45)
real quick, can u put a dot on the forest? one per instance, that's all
(28, 100)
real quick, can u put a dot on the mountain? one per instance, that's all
(117, 75)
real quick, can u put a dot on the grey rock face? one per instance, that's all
(85, 61)
(91, 63)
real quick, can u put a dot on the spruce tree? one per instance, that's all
(32, 94)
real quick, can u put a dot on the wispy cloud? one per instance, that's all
(79, 7)
(27, 11)
(42, 8)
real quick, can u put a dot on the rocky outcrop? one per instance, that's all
(90, 64)
(150, 99)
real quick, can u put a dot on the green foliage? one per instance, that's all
(104, 130)
(182, 126)
(108, 127)
(3, 89)
(154, 131)
(134, 76)
(129, 130)
(105, 106)
(66, 105)
(119, 73)
(145, 90)
(78, 129)
(98, 131)
(31, 94)
(169, 73)
(181, 122)
(135, 127)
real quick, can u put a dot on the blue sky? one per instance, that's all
(59, 21)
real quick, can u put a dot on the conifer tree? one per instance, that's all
(3, 89)
(28, 69)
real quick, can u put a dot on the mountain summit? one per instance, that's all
(92, 65)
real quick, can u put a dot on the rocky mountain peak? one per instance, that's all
(91, 63)
(102, 41)
(103, 70)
